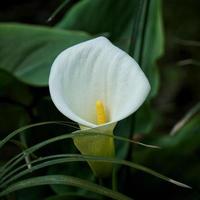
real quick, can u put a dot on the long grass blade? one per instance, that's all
(34, 148)
(64, 180)
(64, 158)
(58, 10)
(62, 123)
(185, 119)
(14, 133)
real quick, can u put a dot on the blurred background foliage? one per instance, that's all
(170, 118)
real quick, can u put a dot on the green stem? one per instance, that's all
(114, 180)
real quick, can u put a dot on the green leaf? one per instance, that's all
(108, 16)
(28, 51)
(64, 180)
(150, 43)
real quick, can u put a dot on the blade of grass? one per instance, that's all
(83, 158)
(14, 133)
(79, 133)
(10, 162)
(185, 119)
(62, 123)
(64, 180)
(58, 10)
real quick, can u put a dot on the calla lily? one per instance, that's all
(97, 73)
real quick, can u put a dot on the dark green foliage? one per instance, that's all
(26, 54)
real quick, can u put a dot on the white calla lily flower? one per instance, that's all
(97, 70)
(96, 78)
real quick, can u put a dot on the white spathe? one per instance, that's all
(97, 70)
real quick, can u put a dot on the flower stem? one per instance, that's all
(114, 180)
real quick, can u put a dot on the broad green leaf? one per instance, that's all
(64, 180)
(28, 51)
(99, 16)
